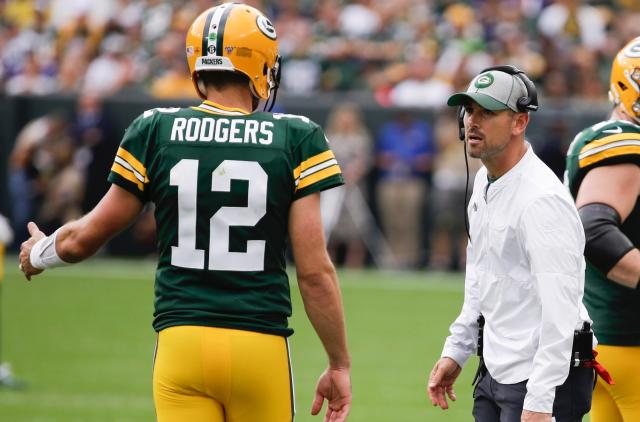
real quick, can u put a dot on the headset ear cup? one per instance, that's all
(461, 134)
(523, 104)
(530, 102)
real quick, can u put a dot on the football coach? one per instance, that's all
(525, 269)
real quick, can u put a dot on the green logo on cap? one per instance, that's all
(484, 81)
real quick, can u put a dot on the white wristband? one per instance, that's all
(43, 253)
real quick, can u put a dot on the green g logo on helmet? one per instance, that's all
(484, 80)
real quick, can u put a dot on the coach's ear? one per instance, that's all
(519, 123)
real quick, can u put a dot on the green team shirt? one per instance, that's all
(615, 309)
(222, 182)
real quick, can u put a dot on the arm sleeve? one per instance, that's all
(315, 165)
(554, 244)
(463, 340)
(129, 168)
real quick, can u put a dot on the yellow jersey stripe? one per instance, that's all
(310, 171)
(316, 159)
(225, 108)
(609, 139)
(316, 177)
(133, 161)
(127, 174)
(608, 153)
(127, 166)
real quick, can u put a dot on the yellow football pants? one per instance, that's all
(207, 374)
(619, 402)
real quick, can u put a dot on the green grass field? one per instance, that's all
(81, 339)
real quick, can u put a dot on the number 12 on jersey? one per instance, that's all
(184, 175)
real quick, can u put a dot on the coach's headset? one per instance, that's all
(524, 105)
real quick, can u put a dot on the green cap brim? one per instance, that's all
(484, 100)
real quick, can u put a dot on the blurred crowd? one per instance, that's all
(404, 52)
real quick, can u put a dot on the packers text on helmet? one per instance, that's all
(234, 37)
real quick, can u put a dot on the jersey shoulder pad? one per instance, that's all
(608, 142)
(298, 128)
(150, 117)
(296, 121)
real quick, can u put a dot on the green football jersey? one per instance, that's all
(613, 308)
(222, 182)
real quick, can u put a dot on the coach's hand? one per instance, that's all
(334, 385)
(529, 416)
(25, 251)
(443, 375)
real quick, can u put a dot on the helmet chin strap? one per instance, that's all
(621, 112)
(272, 97)
(275, 79)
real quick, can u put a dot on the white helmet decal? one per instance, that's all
(266, 27)
(633, 49)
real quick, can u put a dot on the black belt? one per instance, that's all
(582, 353)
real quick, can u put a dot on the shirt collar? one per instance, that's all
(515, 170)
(215, 108)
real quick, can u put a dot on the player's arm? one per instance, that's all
(323, 303)
(80, 239)
(606, 197)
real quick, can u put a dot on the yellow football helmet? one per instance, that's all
(624, 90)
(235, 37)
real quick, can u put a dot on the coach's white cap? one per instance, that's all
(493, 90)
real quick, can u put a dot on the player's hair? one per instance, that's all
(219, 80)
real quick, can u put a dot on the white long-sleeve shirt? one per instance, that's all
(525, 275)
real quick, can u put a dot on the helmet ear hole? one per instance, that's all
(622, 86)
(264, 69)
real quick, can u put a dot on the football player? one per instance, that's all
(604, 178)
(229, 183)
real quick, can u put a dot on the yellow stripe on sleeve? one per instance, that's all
(318, 176)
(127, 174)
(609, 139)
(133, 161)
(316, 159)
(608, 153)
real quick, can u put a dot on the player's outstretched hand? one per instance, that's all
(334, 385)
(443, 375)
(25, 251)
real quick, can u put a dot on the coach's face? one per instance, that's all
(488, 132)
